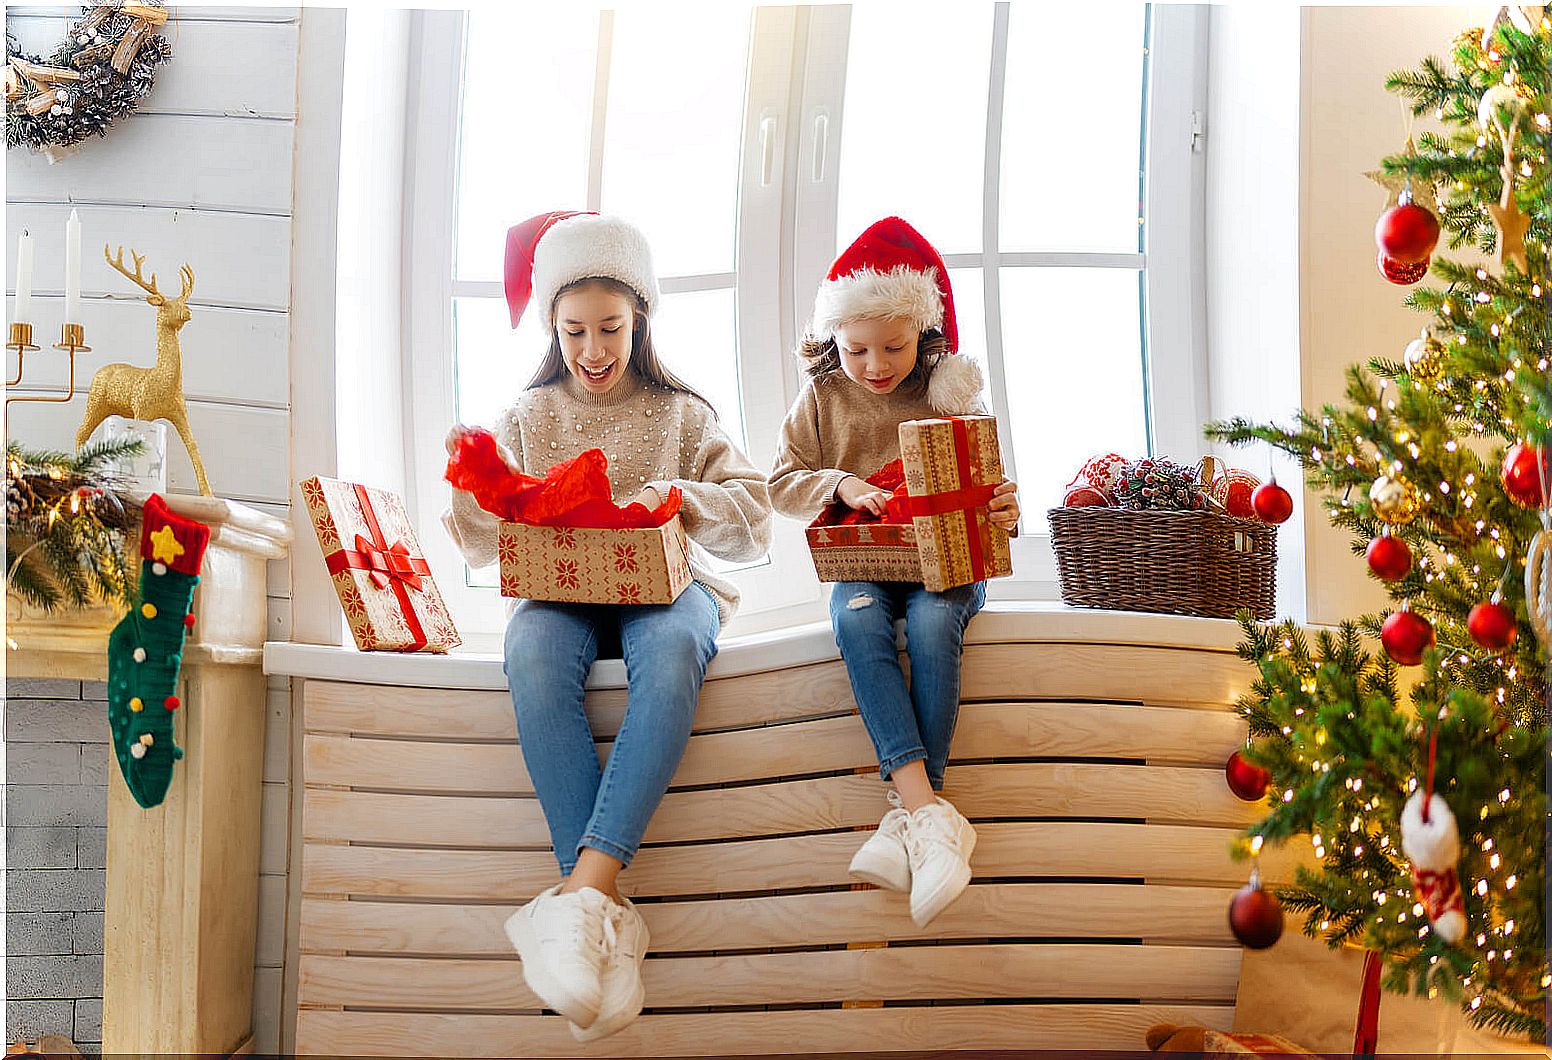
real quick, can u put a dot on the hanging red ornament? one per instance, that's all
(1389, 558)
(1255, 915)
(1402, 273)
(1407, 233)
(1271, 502)
(1247, 780)
(1492, 625)
(1406, 636)
(1522, 477)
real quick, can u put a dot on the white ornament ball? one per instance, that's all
(140, 655)
(82, 39)
(1500, 96)
(137, 750)
(158, 568)
(55, 109)
(61, 95)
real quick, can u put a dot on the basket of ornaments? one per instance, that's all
(1156, 535)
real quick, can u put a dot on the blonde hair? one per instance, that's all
(822, 357)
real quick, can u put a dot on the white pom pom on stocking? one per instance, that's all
(1433, 846)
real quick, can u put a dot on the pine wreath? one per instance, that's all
(99, 73)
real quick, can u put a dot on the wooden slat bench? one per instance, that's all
(1094, 773)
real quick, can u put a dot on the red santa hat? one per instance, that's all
(892, 271)
(551, 250)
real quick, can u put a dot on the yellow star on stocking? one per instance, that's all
(165, 546)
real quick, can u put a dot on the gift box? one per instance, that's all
(939, 532)
(586, 565)
(378, 567)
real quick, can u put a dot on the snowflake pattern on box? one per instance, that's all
(375, 612)
(593, 566)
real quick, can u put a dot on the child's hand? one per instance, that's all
(855, 493)
(648, 496)
(1003, 508)
(460, 430)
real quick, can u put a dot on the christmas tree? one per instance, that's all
(1415, 768)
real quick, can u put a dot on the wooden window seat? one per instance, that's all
(1089, 753)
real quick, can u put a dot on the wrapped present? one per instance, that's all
(594, 565)
(563, 538)
(938, 531)
(378, 567)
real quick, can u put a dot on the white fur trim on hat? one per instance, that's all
(869, 294)
(954, 385)
(1433, 844)
(591, 245)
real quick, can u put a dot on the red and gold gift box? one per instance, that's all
(951, 467)
(586, 565)
(378, 567)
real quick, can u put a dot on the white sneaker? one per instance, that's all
(560, 938)
(625, 939)
(939, 841)
(882, 860)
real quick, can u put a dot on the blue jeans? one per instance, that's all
(905, 724)
(549, 649)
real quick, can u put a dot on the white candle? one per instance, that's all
(73, 269)
(23, 312)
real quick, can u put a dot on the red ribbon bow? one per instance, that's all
(394, 562)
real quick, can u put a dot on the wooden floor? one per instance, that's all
(1094, 774)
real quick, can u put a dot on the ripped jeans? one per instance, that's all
(915, 723)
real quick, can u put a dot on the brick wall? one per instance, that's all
(56, 811)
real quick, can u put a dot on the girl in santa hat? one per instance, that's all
(601, 384)
(883, 349)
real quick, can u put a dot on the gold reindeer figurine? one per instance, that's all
(148, 393)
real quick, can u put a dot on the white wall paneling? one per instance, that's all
(202, 161)
(239, 260)
(230, 355)
(235, 67)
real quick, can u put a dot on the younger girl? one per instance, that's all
(882, 349)
(601, 384)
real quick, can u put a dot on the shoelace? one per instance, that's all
(931, 828)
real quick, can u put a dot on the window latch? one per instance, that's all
(1198, 131)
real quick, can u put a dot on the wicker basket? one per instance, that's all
(1183, 563)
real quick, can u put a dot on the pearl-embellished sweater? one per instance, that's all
(653, 436)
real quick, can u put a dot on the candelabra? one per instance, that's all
(72, 340)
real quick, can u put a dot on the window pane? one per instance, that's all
(913, 129)
(518, 160)
(970, 315)
(1071, 139)
(671, 153)
(696, 338)
(1065, 405)
(491, 362)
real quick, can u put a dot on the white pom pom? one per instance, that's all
(137, 750)
(1451, 927)
(954, 385)
(1433, 844)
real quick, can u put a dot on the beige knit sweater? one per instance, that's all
(652, 436)
(837, 428)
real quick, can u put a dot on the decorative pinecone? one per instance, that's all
(1158, 483)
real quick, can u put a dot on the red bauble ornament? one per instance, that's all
(1389, 558)
(1521, 477)
(1405, 636)
(188, 620)
(171, 703)
(1407, 233)
(1255, 915)
(1492, 625)
(1246, 780)
(1402, 273)
(1271, 503)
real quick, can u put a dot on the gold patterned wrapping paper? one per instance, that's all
(594, 566)
(390, 599)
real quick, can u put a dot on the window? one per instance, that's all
(1063, 203)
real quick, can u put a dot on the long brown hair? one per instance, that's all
(821, 357)
(643, 356)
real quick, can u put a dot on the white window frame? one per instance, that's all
(793, 123)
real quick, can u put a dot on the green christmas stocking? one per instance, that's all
(145, 651)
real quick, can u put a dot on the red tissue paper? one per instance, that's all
(891, 479)
(573, 493)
